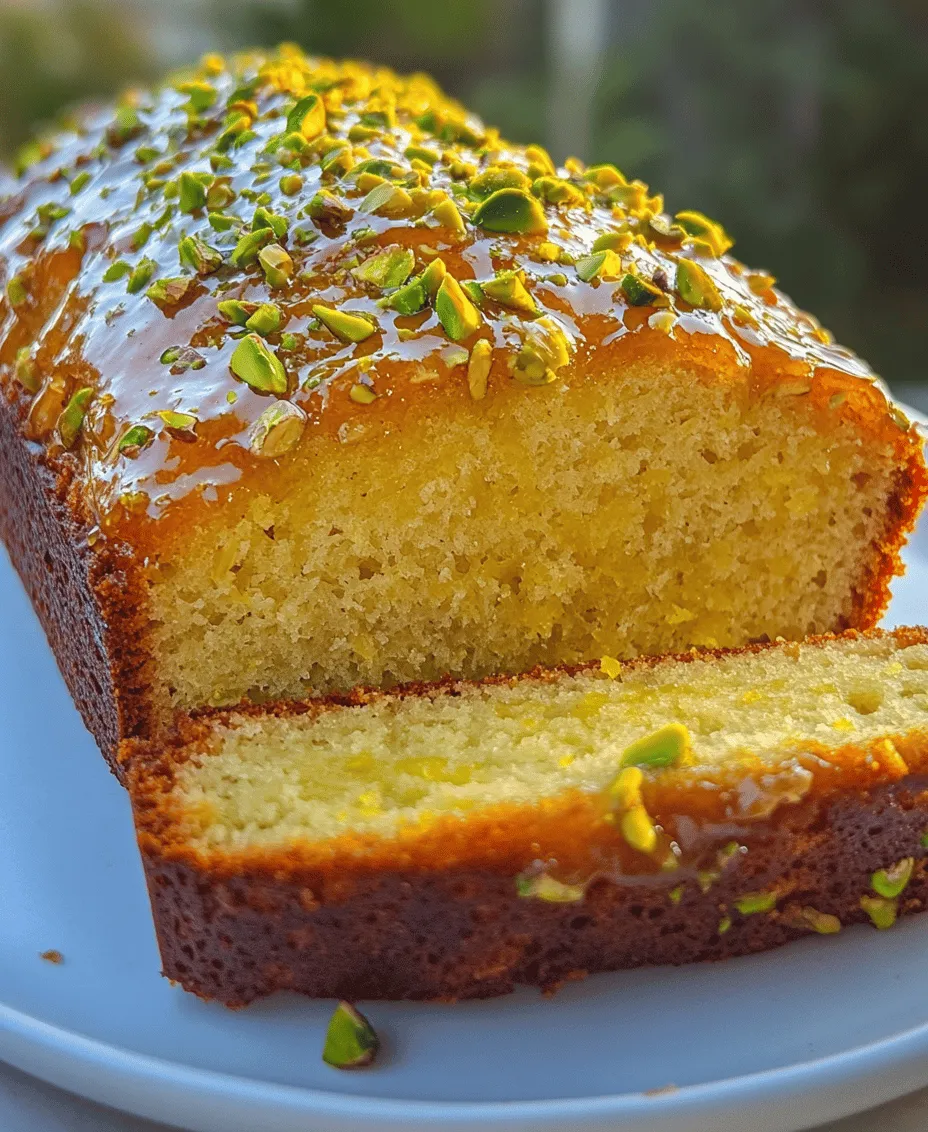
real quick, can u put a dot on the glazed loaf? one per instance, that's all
(310, 379)
(451, 840)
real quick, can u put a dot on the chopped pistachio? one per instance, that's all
(610, 667)
(219, 195)
(135, 439)
(724, 925)
(457, 314)
(362, 394)
(198, 255)
(511, 210)
(140, 276)
(449, 216)
(289, 341)
(291, 184)
(72, 417)
(706, 230)
(126, 125)
(276, 263)
(193, 188)
(498, 177)
(554, 190)
(923, 840)
(409, 299)
(118, 270)
(277, 430)
(509, 290)
(16, 292)
(433, 277)
(612, 241)
(265, 320)
(258, 366)
(24, 370)
(327, 208)
(141, 236)
(882, 911)
(605, 176)
(820, 922)
(236, 311)
(307, 117)
(421, 153)
(183, 425)
(599, 265)
(640, 292)
(351, 1041)
(638, 829)
(891, 882)
(696, 286)
(759, 281)
(264, 218)
(347, 325)
(540, 163)
(386, 199)
(478, 369)
(474, 291)
(246, 250)
(754, 902)
(78, 182)
(676, 894)
(202, 94)
(541, 886)
(545, 349)
(169, 292)
(668, 746)
(388, 268)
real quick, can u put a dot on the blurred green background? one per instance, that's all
(801, 124)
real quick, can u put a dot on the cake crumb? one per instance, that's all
(52, 956)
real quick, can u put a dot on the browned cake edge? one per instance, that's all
(447, 923)
(89, 598)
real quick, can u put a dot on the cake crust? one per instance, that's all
(434, 912)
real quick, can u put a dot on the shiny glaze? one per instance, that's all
(85, 331)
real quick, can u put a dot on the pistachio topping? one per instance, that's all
(892, 882)
(349, 326)
(640, 292)
(478, 369)
(881, 910)
(362, 394)
(511, 210)
(198, 255)
(181, 425)
(134, 439)
(166, 293)
(508, 289)
(496, 178)
(71, 420)
(541, 886)
(24, 370)
(457, 314)
(753, 903)
(192, 191)
(140, 276)
(821, 922)
(386, 269)
(258, 366)
(236, 311)
(16, 292)
(307, 117)
(246, 250)
(350, 1041)
(668, 746)
(545, 349)
(276, 264)
(277, 430)
(694, 284)
(265, 320)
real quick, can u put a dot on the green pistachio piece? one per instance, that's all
(79, 182)
(220, 222)
(30, 154)
(258, 366)
(219, 195)
(457, 314)
(125, 125)
(474, 291)
(77, 240)
(540, 886)
(508, 289)
(346, 325)
(351, 1041)
(24, 370)
(362, 394)
(754, 902)
(386, 199)
(182, 425)
(265, 320)
(236, 311)
(291, 184)
(511, 210)
(336, 159)
(277, 430)
(705, 230)
(409, 299)
(202, 94)
(246, 250)
(676, 894)
(193, 188)
(379, 167)
(668, 746)
(134, 440)
(724, 925)
(545, 349)
(554, 190)
(612, 241)
(696, 286)
(820, 922)
(118, 270)
(923, 840)
(359, 133)
(498, 177)
(389, 268)
(640, 292)
(276, 263)
(140, 276)
(328, 209)
(605, 176)
(891, 882)
(169, 292)
(141, 235)
(198, 256)
(264, 218)
(882, 911)
(599, 265)
(448, 215)
(16, 292)
(433, 277)
(72, 417)
(539, 162)
(289, 341)
(307, 117)
(303, 236)
(478, 369)
(421, 153)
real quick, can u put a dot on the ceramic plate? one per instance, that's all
(812, 1032)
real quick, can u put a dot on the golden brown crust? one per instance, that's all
(434, 912)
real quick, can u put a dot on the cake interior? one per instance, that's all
(269, 779)
(620, 515)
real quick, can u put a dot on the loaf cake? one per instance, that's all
(310, 379)
(451, 840)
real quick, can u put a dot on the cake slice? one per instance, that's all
(309, 379)
(452, 840)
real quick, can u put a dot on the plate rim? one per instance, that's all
(842, 1083)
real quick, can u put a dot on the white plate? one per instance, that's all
(809, 1033)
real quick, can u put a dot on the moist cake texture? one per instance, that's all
(450, 840)
(310, 379)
